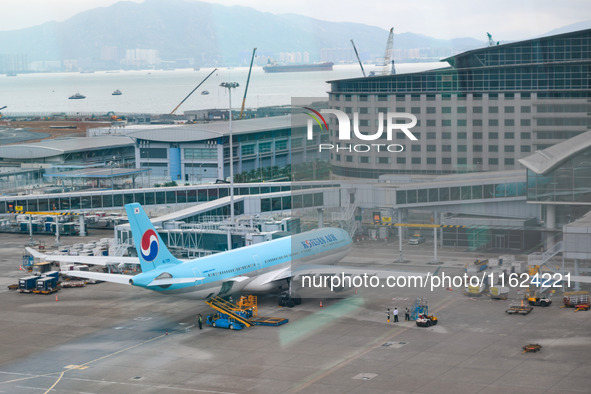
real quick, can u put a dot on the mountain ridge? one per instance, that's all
(211, 35)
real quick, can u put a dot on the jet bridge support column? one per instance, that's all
(550, 224)
(401, 219)
(435, 219)
(577, 284)
(82, 225)
(320, 217)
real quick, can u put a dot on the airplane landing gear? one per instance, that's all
(285, 299)
(289, 298)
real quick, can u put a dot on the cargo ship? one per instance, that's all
(277, 68)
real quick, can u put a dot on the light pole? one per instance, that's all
(230, 86)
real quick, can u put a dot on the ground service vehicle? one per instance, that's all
(223, 320)
(539, 301)
(573, 298)
(426, 321)
(519, 308)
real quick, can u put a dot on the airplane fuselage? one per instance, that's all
(256, 268)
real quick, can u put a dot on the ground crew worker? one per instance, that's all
(388, 315)
(406, 314)
(395, 315)
(200, 321)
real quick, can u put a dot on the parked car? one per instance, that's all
(416, 239)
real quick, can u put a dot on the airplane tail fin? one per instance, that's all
(151, 250)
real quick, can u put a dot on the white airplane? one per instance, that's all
(256, 268)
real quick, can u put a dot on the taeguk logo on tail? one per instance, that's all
(149, 247)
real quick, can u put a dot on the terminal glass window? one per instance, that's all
(139, 198)
(433, 195)
(401, 197)
(200, 153)
(264, 147)
(153, 153)
(247, 149)
(477, 191)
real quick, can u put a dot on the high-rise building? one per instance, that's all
(488, 109)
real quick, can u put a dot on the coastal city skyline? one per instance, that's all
(507, 20)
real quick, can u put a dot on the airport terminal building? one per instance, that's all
(488, 109)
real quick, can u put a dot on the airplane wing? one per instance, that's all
(330, 270)
(93, 260)
(115, 278)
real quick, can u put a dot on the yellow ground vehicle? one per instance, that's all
(539, 301)
(426, 321)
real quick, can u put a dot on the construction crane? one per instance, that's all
(491, 42)
(247, 82)
(358, 59)
(192, 91)
(386, 69)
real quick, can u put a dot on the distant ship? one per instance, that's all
(77, 96)
(117, 92)
(276, 68)
(205, 92)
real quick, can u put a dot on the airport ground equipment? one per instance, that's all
(28, 262)
(478, 290)
(225, 320)
(499, 292)
(581, 307)
(419, 307)
(537, 300)
(229, 315)
(573, 298)
(46, 285)
(532, 348)
(73, 283)
(519, 308)
(27, 284)
(478, 266)
(426, 320)
(41, 268)
(242, 314)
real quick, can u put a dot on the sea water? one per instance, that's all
(160, 91)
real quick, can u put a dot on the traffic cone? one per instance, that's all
(20, 268)
(320, 303)
(56, 299)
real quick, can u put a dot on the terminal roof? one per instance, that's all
(56, 147)
(544, 161)
(206, 131)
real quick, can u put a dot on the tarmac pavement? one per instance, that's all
(110, 338)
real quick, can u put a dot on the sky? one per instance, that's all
(506, 20)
